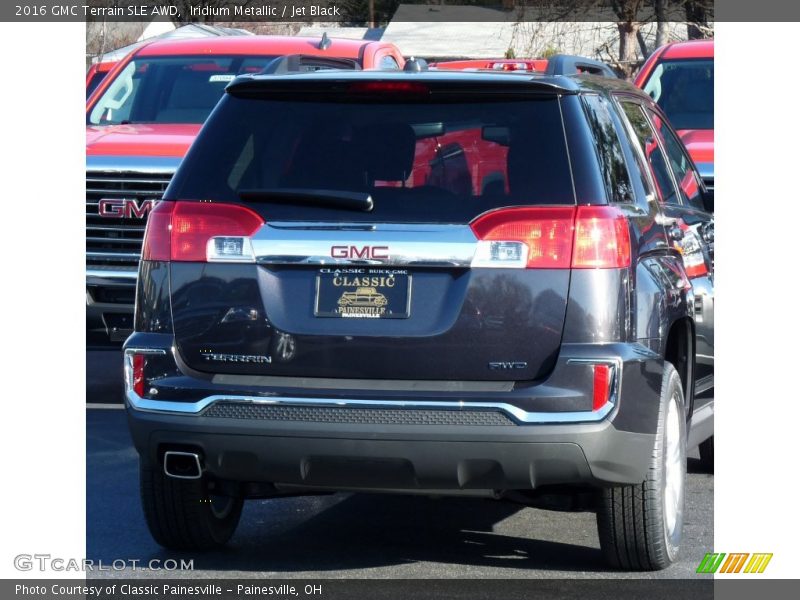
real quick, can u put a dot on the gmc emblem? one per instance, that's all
(364, 252)
(124, 208)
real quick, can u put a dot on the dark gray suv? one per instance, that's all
(438, 282)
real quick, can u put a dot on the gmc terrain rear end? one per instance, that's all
(436, 283)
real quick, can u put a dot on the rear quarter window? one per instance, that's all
(609, 149)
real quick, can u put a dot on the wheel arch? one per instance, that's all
(680, 351)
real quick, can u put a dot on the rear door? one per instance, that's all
(446, 277)
(696, 241)
(689, 224)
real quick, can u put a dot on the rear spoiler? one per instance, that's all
(567, 64)
(386, 85)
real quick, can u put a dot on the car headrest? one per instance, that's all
(193, 90)
(702, 96)
(327, 158)
(388, 149)
(538, 171)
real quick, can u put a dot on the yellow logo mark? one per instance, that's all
(758, 563)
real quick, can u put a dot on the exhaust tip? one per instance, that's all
(182, 465)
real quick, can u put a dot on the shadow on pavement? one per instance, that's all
(336, 533)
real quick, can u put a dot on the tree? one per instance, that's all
(369, 13)
(103, 36)
(661, 24)
(697, 17)
(628, 26)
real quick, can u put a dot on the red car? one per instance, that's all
(495, 64)
(680, 78)
(556, 62)
(141, 120)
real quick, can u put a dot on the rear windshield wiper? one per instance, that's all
(334, 198)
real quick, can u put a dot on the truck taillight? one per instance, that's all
(200, 232)
(509, 66)
(585, 237)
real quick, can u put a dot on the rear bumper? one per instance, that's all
(339, 456)
(423, 442)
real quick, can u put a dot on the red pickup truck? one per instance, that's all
(494, 64)
(680, 78)
(141, 120)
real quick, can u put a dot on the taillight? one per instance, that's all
(586, 237)
(690, 247)
(695, 266)
(200, 232)
(533, 238)
(389, 87)
(157, 232)
(602, 239)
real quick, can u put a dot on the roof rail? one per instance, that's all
(299, 63)
(567, 64)
(415, 65)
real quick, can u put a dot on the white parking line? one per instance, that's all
(90, 405)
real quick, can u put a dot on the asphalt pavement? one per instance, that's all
(104, 383)
(355, 535)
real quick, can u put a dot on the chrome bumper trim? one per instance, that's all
(127, 275)
(523, 417)
(399, 244)
(159, 165)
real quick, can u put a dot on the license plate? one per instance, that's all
(361, 293)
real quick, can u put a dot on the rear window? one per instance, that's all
(420, 161)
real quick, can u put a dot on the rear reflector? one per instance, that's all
(138, 374)
(586, 237)
(200, 232)
(601, 388)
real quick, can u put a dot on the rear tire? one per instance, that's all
(182, 515)
(707, 455)
(640, 525)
